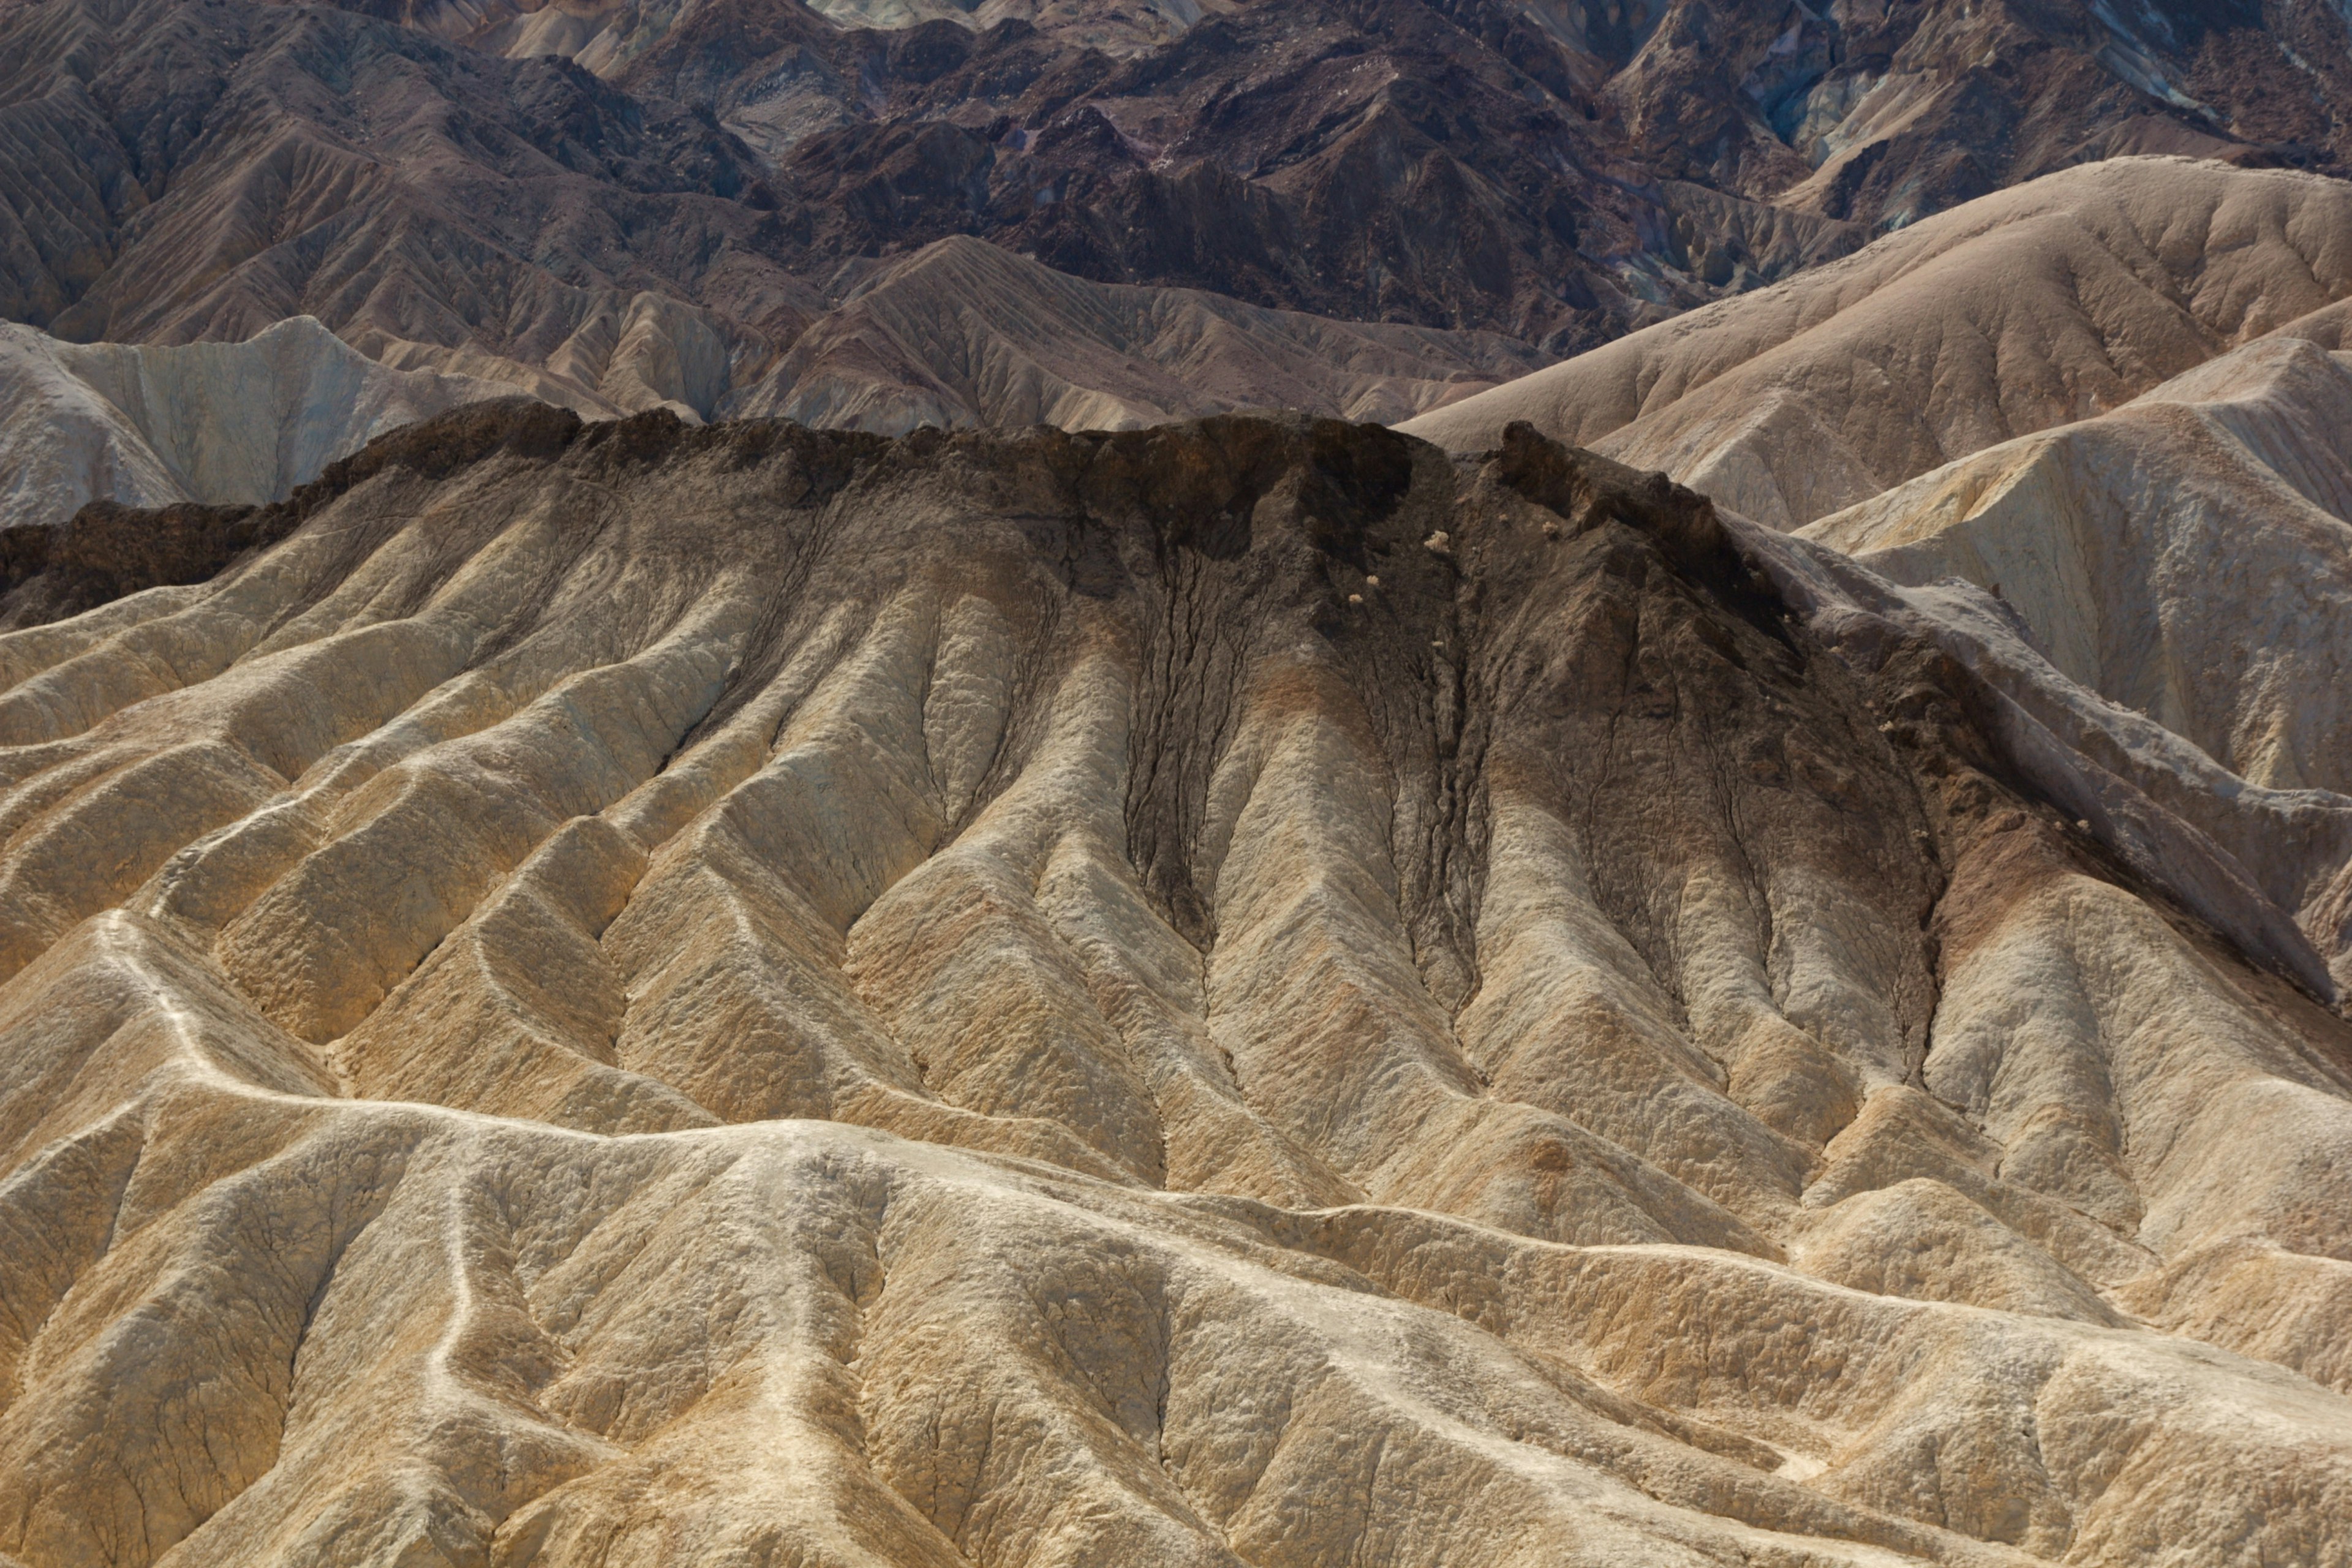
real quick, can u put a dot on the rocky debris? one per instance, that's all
(2019, 311)
(634, 993)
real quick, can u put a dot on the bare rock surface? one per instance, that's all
(2052, 303)
(964, 333)
(2172, 577)
(2188, 556)
(218, 424)
(1240, 992)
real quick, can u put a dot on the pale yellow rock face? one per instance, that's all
(2053, 301)
(2187, 559)
(1240, 994)
(2188, 556)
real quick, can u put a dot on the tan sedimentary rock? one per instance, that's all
(2172, 577)
(2050, 302)
(2188, 556)
(631, 995)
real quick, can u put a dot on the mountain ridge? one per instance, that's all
(1256, 783)
(2031, 309)
(817, 827)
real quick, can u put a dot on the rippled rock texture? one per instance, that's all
(1246, 993)
(2032, 307)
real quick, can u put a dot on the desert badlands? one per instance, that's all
(1248, 784)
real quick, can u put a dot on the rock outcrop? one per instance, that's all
(1240, 992)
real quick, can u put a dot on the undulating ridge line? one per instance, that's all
(1352, 964)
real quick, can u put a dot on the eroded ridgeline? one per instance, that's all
(1196, 805)
(1351, 881)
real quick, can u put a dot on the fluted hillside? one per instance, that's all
(2031, 307)
(1241, 993)
(220, 424)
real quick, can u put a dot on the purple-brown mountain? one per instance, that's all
(659, 208)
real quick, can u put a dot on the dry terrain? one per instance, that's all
(876, 786)
(1241, 993)
(2051, 302)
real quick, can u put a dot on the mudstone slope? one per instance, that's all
(219, 423)
(1243, 992)
(2036, 307)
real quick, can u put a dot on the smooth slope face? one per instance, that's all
(1236, 993)
(2188, 556)
(2050, 303)
(222, 424)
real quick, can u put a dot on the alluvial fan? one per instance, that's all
(1248, 992)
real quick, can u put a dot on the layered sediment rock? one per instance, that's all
(650, 202)
(2037, 307)
(1246, 992)
(965, 333)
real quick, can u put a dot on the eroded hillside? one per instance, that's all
(1248, 992)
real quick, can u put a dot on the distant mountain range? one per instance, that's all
(703, 183)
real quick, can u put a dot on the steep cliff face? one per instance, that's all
(1248, 992)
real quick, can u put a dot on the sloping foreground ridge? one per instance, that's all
(1241, 993)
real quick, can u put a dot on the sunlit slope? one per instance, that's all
(1234, 993)
(2032, 306)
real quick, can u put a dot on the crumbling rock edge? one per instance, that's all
(1199, 482)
